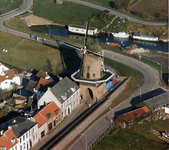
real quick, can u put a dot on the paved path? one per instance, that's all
(132, 19)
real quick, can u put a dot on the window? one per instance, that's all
(26, 135)
(101, 73)
(74, 103)
(20, 140)
(23, 137)
(15, 147)
(77, 93)
(88, 75)
(93, 74)
(21, 147)
(88, 68)
(24, 145)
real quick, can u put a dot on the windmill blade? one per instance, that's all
(72, 46)
(81, 66)
(94, 53)
(87, 26)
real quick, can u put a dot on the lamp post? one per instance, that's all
(140, 91)
(161, 70)
(86, 140)
(113, 61)
(111, 120)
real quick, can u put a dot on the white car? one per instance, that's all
(166, 135)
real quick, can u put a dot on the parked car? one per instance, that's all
(166, 135)
(106, 11)
(32, 36)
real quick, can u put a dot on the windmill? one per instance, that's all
(85, 50)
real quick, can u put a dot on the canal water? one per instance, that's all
(101, 38)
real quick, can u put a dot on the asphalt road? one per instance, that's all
(117, 13)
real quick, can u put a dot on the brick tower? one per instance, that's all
(93, 79)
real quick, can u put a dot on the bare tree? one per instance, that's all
(118, 4)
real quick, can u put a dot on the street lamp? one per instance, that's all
(140, 91)
(113, 61)
(161, 70)
(86, 140)
(111, 120)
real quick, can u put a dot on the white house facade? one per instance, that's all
(66, 94)
(25, 130)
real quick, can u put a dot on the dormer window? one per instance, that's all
(48, 115)
(73, 89)
(13, 140)
(3, 148)
(64, 96)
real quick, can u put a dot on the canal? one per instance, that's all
(101, 38)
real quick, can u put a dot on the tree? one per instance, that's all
(118, 4)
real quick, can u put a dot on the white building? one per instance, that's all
(8, 78)
(25, 131)
(66, 95)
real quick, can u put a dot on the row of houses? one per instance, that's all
(53, 101)
(152, 109)
(23, 133)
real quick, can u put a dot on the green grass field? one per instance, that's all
(8, 5)
(8, 41)
(31, 55)
(136, 137)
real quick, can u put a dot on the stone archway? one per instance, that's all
(90, 92)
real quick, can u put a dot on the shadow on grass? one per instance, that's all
(70, 60)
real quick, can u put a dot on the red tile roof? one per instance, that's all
(43, 82)
(10, 74)
(136, 113)
(41, 117)
(42, 74)
(5, 140)
(2, 78)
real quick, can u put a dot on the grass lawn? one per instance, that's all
(8, 41)
(136, 137)
(8, 5)
(67, 13)
(32, 55)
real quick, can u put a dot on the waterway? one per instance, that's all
(101, 38)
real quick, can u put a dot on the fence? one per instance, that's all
(100, 136)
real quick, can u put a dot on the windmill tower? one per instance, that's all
(91, 76)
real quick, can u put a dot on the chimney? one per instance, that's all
(1, 132)
(49, 88)
(60, 78)
(9, 127)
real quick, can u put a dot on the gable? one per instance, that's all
(47, 98)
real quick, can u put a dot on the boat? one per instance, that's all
(138, 36)
(82, 29)
(120, 35)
